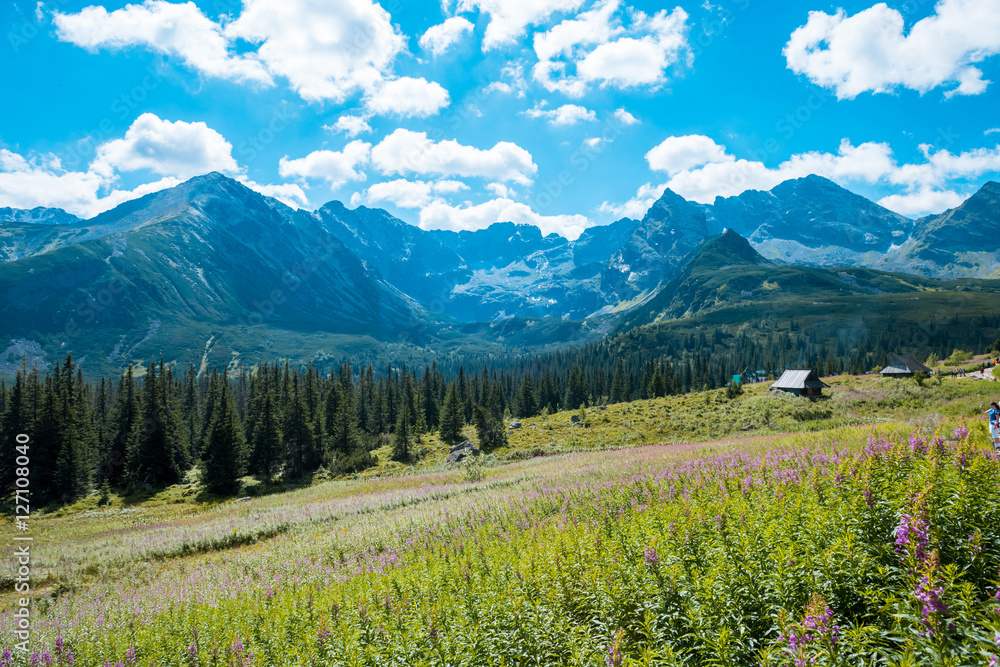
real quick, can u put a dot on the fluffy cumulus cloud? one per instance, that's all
(441, 215)
(408, 194)
(352, 126)
(166, 148)
(596, 48)
(173, 151)
(624, 117)
(677, 154)
(871, 50)
(179, 30)
(567, 114)
(699, 169)
(407, 96)
(324, 50)
(407, 152)
(439, 38)
(509, 19)
(334, 167)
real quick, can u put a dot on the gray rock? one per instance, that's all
(575, 419)
(465, 444)
(459, 455)
(515, 424)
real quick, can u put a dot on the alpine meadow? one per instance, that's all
(534, 333)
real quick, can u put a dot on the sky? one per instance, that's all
(454, 115)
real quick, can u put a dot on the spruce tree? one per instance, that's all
(619, 385)
(490, 431)
(452, 418)
(267, 439)
(401, 438)
(225, 448)
(524, 401)
(300, 439)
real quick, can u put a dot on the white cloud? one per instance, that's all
(166, 148)
(510, 18)
(408, 152)
(510, 82)
(501, 190)
(336, 168)
(922, 201)
(870, 52)
(173, 29)
(325, 50)
(439, 38)
(701, 170)
(440, 215)
(286, 193)
(602, 51)
(176, 151)
(992, 130)
(407, 96)
(29, 183)
(410, 194)
(624, 117)
(567, 114)
(352, 126)
(677, 154)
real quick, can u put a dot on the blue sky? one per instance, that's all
(561, 113)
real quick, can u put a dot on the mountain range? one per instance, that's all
(212, 271)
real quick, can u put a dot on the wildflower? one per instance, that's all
(651, 557)
(912, 531)
(6, 660)
(130, 656)
(615, 657)
(961, 432)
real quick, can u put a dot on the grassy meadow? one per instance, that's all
(691, 530)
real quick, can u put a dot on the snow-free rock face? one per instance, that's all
(38, 215)
(811, 220)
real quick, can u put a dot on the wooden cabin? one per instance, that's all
(904, 366)
(801, 383)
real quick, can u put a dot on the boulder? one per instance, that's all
(465, 444)
(515, 424)
(575, 419)
(462, 454)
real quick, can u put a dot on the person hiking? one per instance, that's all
(994, 413)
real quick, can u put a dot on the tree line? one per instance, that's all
(152, 426)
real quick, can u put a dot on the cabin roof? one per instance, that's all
(799, 379)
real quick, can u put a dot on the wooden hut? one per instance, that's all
(801, 383)
(904, 366)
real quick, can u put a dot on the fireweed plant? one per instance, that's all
(854, 546)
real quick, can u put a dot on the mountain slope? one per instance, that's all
(180, 266)
(812, 220)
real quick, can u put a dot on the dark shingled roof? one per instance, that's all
(905, 364)
(800, 379)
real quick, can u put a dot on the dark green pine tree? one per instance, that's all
(429, 401)
(524, 401)
(153, 455)
(267, 438)
(16, 420)
(300, 440)
(490, 431)
(452, 419)
(124, 415)
(343, 428)
(224, 460)
(619, 385)
(401, 438)
(75, 463)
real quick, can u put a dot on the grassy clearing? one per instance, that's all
(678, 553)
